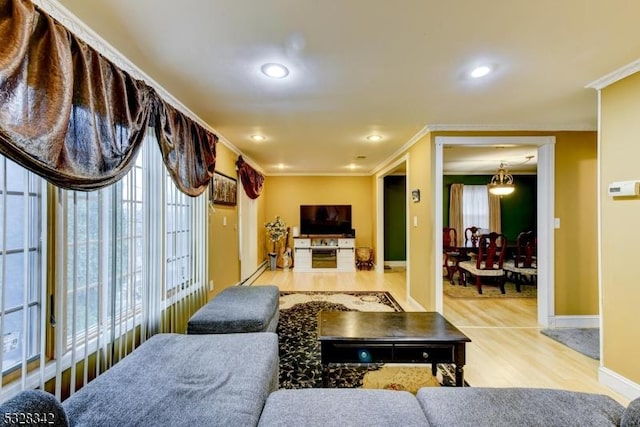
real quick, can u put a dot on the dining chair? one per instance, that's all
(523, 268)
(450, 253)
(471, 236)
(487, 268)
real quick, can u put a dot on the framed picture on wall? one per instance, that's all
(224, 190)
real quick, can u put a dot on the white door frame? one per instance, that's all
(380, 217)
(545, 213)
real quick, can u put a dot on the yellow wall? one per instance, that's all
(421, 248)
(224, 264)
(576, 253)
(619, 154)
(285, 194)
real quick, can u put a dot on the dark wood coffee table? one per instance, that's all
(390, 337)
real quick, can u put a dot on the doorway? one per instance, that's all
(399, 167)
(545, 212)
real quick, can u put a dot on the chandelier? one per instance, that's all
(502, 182)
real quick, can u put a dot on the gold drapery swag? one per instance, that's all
(71, 116)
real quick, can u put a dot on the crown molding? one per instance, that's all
(415, 138)
(544, 127)
(293, 174)
(615, 76)
(72, 23)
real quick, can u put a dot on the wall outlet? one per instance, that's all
(211, 285)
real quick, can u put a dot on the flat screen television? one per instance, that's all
(325, 219)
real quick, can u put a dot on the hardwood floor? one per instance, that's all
(507, 349)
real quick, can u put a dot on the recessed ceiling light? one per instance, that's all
(353, 166)
(276, 71)
(258, 138)
(281, 166)
(481, 71)
(374, 138)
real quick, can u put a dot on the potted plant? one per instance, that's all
(276, 230)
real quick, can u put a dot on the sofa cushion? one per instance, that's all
(631, 415)
(183, 380)
(342, 407)
(238, 309)
(33, 407)
(493, 407)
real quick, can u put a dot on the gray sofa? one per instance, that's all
(237, 390)
(172, 380)
(445, 407)
(231, 380)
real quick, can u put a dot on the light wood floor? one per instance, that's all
(507, 349)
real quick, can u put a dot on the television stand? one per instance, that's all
(324, 253)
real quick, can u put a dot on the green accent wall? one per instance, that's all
(519, 209)
(395, 218)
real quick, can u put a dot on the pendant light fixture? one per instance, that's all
(502, 182)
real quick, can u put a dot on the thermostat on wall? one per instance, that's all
(624, 188)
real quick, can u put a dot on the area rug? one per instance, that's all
(471, 291)
(300, 365)
(583, 340)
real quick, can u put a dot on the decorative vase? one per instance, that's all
(272, 261)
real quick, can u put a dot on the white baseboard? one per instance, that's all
(249, 280)
(592, 321)
(396, 263)
(618, 383)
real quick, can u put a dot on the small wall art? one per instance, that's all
(223, 190)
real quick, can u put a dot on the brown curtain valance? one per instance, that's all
(74, 118)
(252, 180)
(189, 150)
(66, 113)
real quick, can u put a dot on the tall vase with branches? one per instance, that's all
(276, 231)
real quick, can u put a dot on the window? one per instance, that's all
(178, 237)
(21, 272)
(103, 249)
(475, 206)
(130, 255)
(129, 262)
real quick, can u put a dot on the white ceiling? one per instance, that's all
(359, 67)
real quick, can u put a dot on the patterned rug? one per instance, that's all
(470, 291)
(300, 349)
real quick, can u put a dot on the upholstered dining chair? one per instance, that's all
(471, 236)
(523, 267)
(450, 254)
(487, 267)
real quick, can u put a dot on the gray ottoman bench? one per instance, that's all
(238, 309)
(341, 407)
